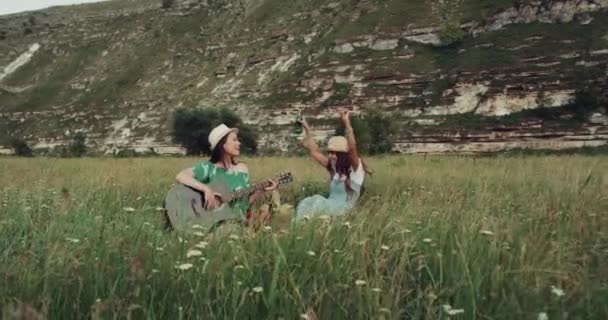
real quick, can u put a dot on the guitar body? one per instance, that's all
(185, 207)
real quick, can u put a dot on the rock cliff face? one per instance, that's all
(117, 70)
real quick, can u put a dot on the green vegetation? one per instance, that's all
(374, 131)
(21, 148)
(78, 148)
(191, 128)
(166, 4)
(55, 87)
(501, 238)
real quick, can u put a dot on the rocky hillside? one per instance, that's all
(457, 75)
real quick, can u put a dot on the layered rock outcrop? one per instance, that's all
(118, 73)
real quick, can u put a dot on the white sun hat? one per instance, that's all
(218, 133)
(337, 144)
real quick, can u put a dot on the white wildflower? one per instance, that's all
(160, 248)
(267, 228)
(258, 289)
(347, 224)
(542, 316)
(304, 316)
(360, 282)
(234, 237)
(128, 209)
(155, 271)
(311, 253)
(427, 240)
(486, 232)
(197, 226)
(240, 266)
(159, 209)
(557, 291)
(385, 247)
(202, 245)
(451, 312)
(185, 266)
(72, 240)
(194, 253)
(376, 290)
(407, 230)
(198, 234)
(337, 251)
(138, 198)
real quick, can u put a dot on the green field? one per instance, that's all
(508, 237)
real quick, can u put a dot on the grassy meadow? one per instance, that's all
(434, 238)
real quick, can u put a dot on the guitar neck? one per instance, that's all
(247, 191)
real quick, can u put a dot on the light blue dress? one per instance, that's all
(338, 202)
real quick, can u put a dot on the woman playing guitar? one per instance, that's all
(223, 168)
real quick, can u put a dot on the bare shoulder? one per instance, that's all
(241, 167)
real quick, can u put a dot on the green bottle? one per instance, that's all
(298, 124)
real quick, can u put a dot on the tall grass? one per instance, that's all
(495, 237)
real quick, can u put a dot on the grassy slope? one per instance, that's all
(120, 76)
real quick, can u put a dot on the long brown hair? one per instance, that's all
(217, 155)
(343, 168)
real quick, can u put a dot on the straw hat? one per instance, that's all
(337, 144)
(218, 133)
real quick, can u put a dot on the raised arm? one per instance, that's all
(350, 138)
(312, 146)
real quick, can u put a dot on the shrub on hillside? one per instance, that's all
(382, 128)
(449, 14)
(191, 129)
(78, 147)
(21, 148)
(166, 4)
(451, 33)
(374, 131)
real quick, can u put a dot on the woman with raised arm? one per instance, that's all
(346, 171)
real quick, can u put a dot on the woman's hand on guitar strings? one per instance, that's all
(211, 199)
(273, 185)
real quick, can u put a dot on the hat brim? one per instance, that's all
(235, 130)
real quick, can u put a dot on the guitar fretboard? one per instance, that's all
(244, 192)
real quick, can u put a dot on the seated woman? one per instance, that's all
(223, 167)
(346, 171)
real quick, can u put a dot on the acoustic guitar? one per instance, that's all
(185, 206)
